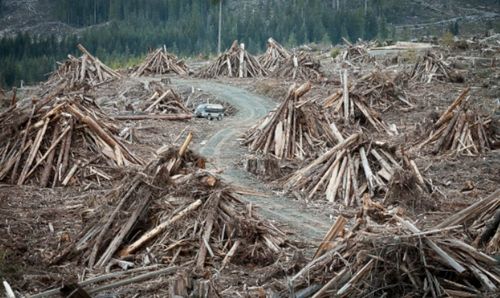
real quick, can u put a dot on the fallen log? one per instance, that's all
(154, 116)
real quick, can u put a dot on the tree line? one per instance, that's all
(128, 28)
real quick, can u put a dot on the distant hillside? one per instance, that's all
(65, 16)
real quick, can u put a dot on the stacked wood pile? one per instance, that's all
(356, 165)
(432, 67)
(60, 141)
(459, 130)
(275, 55)
(356, 53)
(235, 62)
(385, 254)
(161, 62)
(300, 66)
(353, 103)
(86, 70)
(175, 212)
(482, 220)
(297, 129)
(165, 102)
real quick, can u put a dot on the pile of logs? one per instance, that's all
(300, 66)
(60, 141)
(431, 67)
(86, 70)
(161, 62)
(165, 102)
(175, 212)
(353, 103)
(235, 62)
(356, 53)
(283, 64)
(459, 130)
(482, 220)
(274, 56)
(385, 254)
(345, 172)
(297, 129)
(382, 90)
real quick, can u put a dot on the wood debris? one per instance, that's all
(432, 67)
(274, 56)
(300, 66)
(385, 254)
(78, 72)
(459, 130)
(282, 63)
(352, 104)
(297, 129)
(156, 218)
(235, 62)
(161, 62)
(165, 102)
(356, 53)
(482, 220)
(60, 141)
(345, 172)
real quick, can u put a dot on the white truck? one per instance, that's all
(210, 111)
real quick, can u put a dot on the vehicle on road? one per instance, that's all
(210, 111)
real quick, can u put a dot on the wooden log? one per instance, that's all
(34, 150)
(154, 117)
(447, 259)
(334, 231)
(457, 102)
(470, 212)
(230, 254)
(130, 249)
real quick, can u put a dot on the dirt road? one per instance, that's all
(225, 153)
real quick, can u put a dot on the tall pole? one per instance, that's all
(220, 27)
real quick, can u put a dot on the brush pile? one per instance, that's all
(177, 213)
(161, 62)
(78, 72)
(296, 130)
(482, 220)
(384, 254)
(353, 103)
(299, 67)
(460, 131)
(357, 53)
(275, 55)
(165, 102)
(431, 67)
(235, 62)
(348, 170)
(60, 141)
